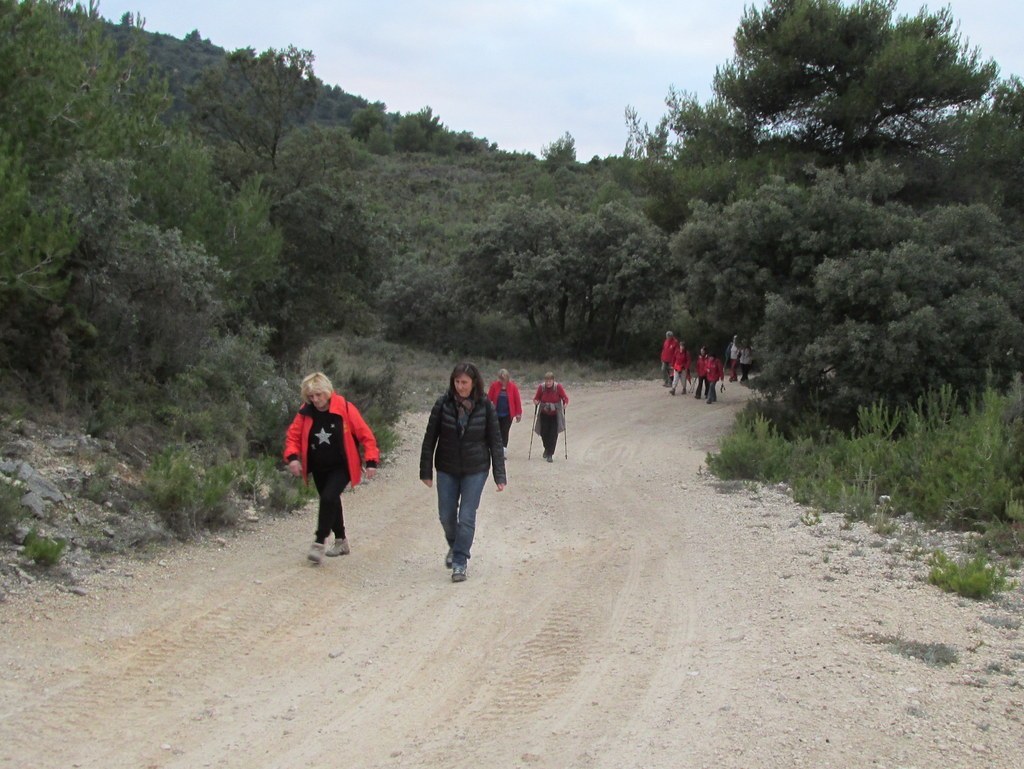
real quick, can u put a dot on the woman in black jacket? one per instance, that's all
(463, 442)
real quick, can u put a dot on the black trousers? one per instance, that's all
(329, 485)
(549, 432)
(505, 424)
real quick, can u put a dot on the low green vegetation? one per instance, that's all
(44, 551)
(976, 577)
(946, 462)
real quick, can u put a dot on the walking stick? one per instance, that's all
(565, 438)
(533, 429)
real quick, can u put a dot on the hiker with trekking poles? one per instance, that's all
(549, 403)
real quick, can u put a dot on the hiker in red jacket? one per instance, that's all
(324, 439)
(680, 364)
(668, 352)
(504, 394)
(714, 373)
(550, 401)
(702, 371)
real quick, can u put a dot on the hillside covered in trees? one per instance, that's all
(178, 223)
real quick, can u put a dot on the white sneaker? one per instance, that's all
(316, 553)
(340, 547)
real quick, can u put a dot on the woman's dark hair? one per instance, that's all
(473, 373)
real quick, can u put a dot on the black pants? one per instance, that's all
(329, 485)
(549, 432)
(702, 384)
(505, 423)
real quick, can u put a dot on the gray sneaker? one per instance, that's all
(459, 572)
(448, 559)
(340, 547)
(316, 553)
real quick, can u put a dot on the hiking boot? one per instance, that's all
(340, 547)
(549, 458)
(459, 572)
(672, 391)
(448, 559)
(316, 553)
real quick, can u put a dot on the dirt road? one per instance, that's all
(622, 610)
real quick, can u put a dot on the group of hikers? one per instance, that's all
(466, 437)
(710, 369)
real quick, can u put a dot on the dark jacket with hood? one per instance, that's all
(471, 450)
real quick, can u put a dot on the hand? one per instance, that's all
(370, 472)
(295, 468)
(519, 419)
(501, 487)
(428, 482)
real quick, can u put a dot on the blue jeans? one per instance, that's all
(458, 497)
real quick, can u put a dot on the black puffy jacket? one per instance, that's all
(478, 449)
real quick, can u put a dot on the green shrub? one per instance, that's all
(187, 494)
(231, 398)
(754, 451)
(44, 550)
(974, 578)
(217, 508)
(286, 493)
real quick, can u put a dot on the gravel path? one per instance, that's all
(622, 609)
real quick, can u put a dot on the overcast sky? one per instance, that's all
(521, 73)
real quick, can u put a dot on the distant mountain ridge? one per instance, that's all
(183, 61)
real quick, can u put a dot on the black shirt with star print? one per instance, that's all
(326, 449)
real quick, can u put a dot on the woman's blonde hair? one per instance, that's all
(503, 373)
(549, 375)
(316, 383)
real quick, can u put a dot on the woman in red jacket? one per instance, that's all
(702, 371)
(714, 373)
(504, 394)
(322, 440)
(681, 367)
(550, 401)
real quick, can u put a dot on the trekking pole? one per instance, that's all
(565, 438)
(533, 429)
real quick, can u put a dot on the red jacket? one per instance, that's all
(515, 403)
(714, 369)
(354, 428)
(552, 394)
(668, 349)
(681, 361)
(702, 365)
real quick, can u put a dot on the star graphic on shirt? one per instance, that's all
(324, 436)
